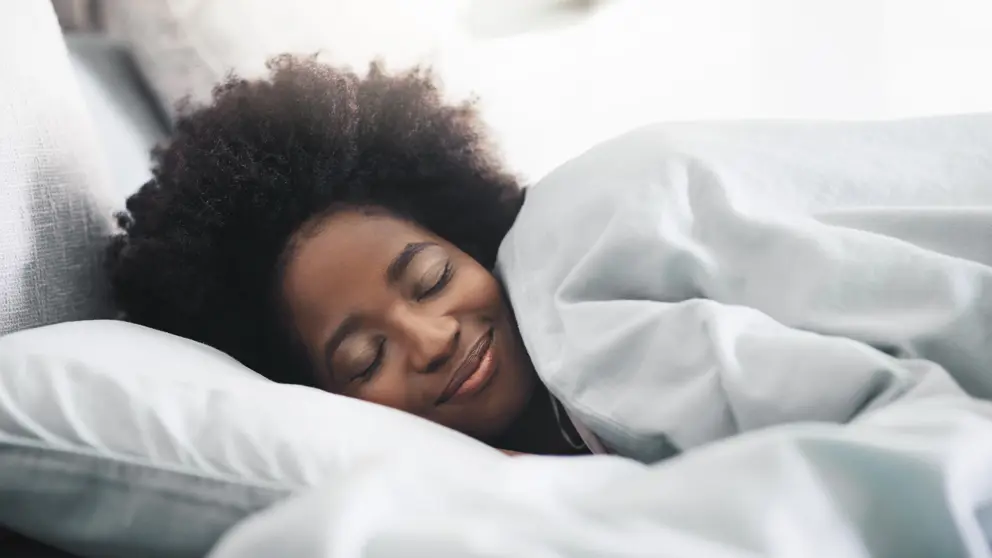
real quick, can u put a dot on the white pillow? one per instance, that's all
(118, 440)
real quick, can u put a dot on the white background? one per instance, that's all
(554, 83)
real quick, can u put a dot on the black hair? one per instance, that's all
(199, 248)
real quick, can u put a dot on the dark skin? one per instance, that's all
(392, 314)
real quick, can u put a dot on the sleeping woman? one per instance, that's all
(358, 234)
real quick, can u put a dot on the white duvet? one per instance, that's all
(682, 284)
(913, 480)
(797, 304)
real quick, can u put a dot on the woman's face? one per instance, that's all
(392, 314)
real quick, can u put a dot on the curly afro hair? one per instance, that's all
(200, 244)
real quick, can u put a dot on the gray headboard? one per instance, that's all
(55, 210)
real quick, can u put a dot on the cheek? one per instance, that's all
(390, 391)
(482, 291)
(393, 386)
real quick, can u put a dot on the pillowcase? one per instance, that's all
(184, 47)
(118, 440)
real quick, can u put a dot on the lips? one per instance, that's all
(477, 361)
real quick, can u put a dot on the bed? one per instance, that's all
(121, 441)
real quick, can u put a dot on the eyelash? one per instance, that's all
(441, 283)
(366, 374)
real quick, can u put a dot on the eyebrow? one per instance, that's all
(351, 324)
(402, 260)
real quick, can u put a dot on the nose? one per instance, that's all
(431, 340)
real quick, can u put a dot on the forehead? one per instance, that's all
(343, 263)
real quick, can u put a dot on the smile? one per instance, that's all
(474, 373)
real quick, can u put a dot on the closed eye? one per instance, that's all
(370, 370)
(439, 284)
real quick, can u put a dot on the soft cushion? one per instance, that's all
(185, 47)
(117, 440)
(54, 209)
(125, 114)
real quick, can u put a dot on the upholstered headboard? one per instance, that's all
(55, 212)
(78, 15)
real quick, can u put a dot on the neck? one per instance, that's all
(537, 430)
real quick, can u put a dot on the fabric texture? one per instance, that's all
(121, 441)
(703, 281)
(55, 213)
